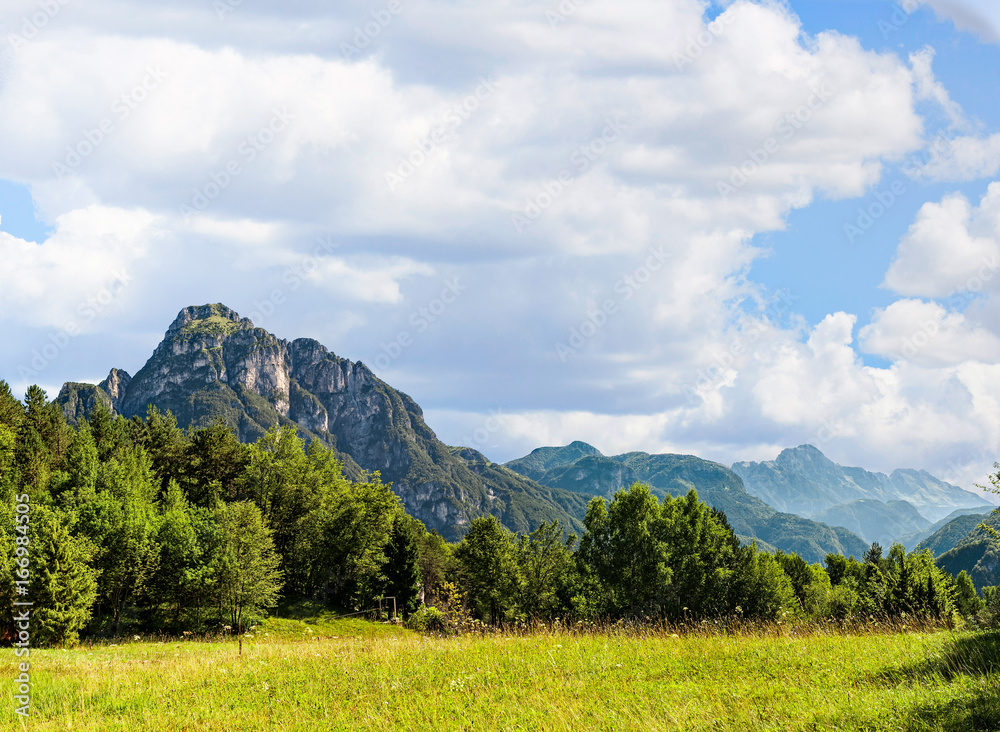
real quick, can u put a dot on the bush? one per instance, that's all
(427, 619)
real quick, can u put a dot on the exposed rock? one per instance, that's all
(213, 364)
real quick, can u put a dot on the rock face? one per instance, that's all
(804, 481)
(213, 364)
(581, 467)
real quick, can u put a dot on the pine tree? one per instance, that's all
(402, 567)
(63, 586)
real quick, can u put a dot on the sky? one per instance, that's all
(717, 228)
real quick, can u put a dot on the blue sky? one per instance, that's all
(560, 169)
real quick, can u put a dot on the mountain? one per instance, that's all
(953, 533)
(804, 481)
(583, 468)
(542, 459)
(594, 474)
(874, 520)
(977, 552)
(949, 530)
(213, 364)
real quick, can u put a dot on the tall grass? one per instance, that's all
(325, 674)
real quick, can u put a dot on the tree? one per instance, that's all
(339, 552)
(82, 465)
(402, 567)
(488, 564)
(966, 599)
(547, 571)
(178, 567)
(216, 463)
(623, 556)
(763, 590)
(436, 563)
(702, 557)
(120, 521)
(247, 574)
(164, 442)
(63, 586)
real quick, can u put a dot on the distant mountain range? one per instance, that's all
(582, 468)
(212, 364)
(804, 481)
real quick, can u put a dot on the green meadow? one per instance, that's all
(323, 674)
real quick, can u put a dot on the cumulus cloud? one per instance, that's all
(962, 158)
(952, 247)
(929, 334)
(600, 163)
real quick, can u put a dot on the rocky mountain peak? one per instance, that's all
(212, 364)
(115, 385)
(214, 319)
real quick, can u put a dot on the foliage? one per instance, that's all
(141, 527)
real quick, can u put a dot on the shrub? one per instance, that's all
(427, 619)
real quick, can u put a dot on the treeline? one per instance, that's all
(679, 560)
(135, 525)
(122, 526)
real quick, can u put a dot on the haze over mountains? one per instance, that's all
(803, 480)
(213, 364)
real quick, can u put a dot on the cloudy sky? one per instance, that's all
(721, 228)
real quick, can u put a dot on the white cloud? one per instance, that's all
(963, 158)
(780, 115)
(91, 252)
(929, 334)
(931, 89)
(951, 247)
(979, 17)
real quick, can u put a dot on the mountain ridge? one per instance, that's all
(668, 474)
(804, 481)
(213, 364)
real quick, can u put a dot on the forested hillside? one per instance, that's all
(129, 525)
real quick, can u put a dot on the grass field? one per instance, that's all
(353, 675)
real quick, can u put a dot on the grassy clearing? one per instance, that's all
(326, 674)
